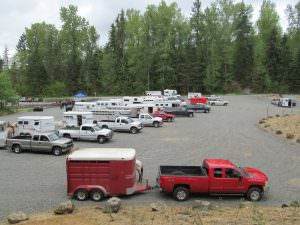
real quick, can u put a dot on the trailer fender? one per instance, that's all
(89, 188)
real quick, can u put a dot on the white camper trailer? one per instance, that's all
(153, 93)
(128, 100)
(168, 92)
(108, 103)
(3, 133)
(194, 95)
(77, 118)
(85, 106)
(29, 125)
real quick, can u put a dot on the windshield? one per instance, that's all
(53, 137)
(97, 128)
(130, 120)
(243, 171)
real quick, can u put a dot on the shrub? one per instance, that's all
(277, 115)
(267, 125)
(278, 132)
(290, 136)
(261, 121)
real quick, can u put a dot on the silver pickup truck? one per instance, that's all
(148, 121)
(46, 142)
(87, 132)
(122, 124)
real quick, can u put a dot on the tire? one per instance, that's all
(81, 194)
(133, 130)
(16, 148)
(96, 195)
(181, 193)
(254, 194)
(156, 124)
(101, 140)
(170, 119)
(57, 151)
(191, 115)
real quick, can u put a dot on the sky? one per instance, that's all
(15, 15)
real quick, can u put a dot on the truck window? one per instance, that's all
(142, 116)
(218, 172)
(44, 138)
(36, 138)
(124, 121)
(86, 128)
(231, 173)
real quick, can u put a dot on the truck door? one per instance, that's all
(85, 133)
(123, 124)
(35, 145)
(233, 182)
(216, 180)
(44, 144)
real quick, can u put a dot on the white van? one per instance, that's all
(29, 125)
(3, 133)
(77, 118)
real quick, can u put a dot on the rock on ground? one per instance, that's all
(64, 208)
(112, 205)
(17, 217)
(203, 205)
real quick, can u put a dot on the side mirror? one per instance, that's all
(240, 178)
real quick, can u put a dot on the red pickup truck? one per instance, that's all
(215, 176)
(165, 116)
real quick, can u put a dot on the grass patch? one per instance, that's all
(290, 136)
(278, 132)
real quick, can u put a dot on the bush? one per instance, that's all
(261, 121)
(267, 125)
(57, 89)
(277, 115)
(278, 132)
(290, 136)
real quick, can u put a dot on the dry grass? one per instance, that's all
(172, 215)
(287, 126)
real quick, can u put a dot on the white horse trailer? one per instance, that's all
(77, 118)
(85, 106)
(153, 93)
(29, 125)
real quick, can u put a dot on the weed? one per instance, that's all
(258, 216)
(278, 132)
(290, 136)
(267, 125)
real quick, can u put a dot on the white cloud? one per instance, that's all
(15, 15)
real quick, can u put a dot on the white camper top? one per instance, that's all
(77, 113)
(93, 154)
(36, 118)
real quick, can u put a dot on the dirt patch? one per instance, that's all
(171, 215)
(287, 126)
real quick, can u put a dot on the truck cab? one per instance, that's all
(148, 120)
(215, 176)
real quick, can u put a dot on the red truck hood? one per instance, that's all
(256, 174)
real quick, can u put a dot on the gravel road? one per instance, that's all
(37, 182)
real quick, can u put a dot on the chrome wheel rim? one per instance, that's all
(96, 196)
(181, 195)
(81, 195)
(254, 195)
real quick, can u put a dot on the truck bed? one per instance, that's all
(70, 128)
(21, 137)
(182, 171)
(110, 121)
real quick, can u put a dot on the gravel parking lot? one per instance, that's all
(37, 182)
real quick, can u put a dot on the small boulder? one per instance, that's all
(17, 217)
(203, 205)
(112, 205)
(64, 208)
(294, 204)
(284, 205)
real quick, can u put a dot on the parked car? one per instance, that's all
(218, 102)
(199, 107)
(165, 116)
(180, 111)
(101, 172)
(44, 142)
(148, 120)
(122, 124)
(287, 102)
(87, 132)
(38, 109)
(215, 176)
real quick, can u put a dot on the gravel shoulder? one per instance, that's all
(37, 182)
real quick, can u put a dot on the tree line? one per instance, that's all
(215, 50)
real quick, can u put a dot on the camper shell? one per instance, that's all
(102, 172)
(29, 125)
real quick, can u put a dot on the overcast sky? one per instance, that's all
(15, 15)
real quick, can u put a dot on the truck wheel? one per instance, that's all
(81, 195)
(156, 124)
(96, 195)
(134, 130)
(181, 193)
(16, 148)
(101, 140)
(57, 151)
(254, 194)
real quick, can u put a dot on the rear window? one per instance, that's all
(218, 173)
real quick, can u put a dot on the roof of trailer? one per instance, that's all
(91, 154)
(35, 118)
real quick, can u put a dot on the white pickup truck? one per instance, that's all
(217, 101)
(148, 120)
(89, 132)
(122, 124)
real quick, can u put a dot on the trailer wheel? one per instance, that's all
(96, 195)
(134, 130)
(254, 194)
(155, 124)
(181, 193)
(101, 140)
(57, 151)
(81, 194)
(16, 148)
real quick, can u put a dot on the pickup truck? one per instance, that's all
(218, 102)
(179, 111)
(199, 107)
(46, 142)
(121, 124)
(165, 116)
(87, 132)
(215, 176)
(148, 120)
